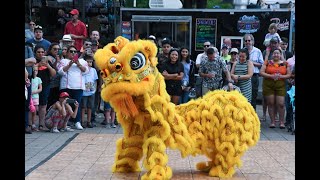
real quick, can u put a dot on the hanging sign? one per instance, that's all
(248, 24)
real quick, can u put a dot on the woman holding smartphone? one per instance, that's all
(59, 114)
(45, 73)
(72, 70)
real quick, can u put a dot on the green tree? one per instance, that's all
(139, 3)
(224, 4)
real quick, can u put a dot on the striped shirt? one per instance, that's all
(245, 84)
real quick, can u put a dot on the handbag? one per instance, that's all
(32, 108)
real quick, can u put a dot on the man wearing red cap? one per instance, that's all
(76, 28)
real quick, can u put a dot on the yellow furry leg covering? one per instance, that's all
(128, 154)
(156, 160)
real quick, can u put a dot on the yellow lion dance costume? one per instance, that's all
(221, 125)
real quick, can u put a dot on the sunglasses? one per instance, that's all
(38, 27)
(87, 44)
(247, 40)
(55, 49)
(40, 51)
(73, 51)
(206, 45)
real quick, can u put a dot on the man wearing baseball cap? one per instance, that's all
(76, 28)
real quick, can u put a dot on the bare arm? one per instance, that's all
(250, 72)
(73, 113)
(38, 90)
(61, 108)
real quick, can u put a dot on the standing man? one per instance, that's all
(211, 70)
(77, 29)
(284, 46)
(164, 55)
(38, 38)
(228, 42)
(201, 56)
(256, 57)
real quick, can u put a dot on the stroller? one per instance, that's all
(291, 127)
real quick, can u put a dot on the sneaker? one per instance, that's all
(67, 129)
(34, 127)
(104, 122)
(108, 126)
(78, 126)
(89, 125)
(113, 126)
(55, 130)
(28, 130)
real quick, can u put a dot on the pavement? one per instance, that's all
(89, 154)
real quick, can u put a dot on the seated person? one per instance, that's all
(59, 114)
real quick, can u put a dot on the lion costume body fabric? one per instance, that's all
(221, 125)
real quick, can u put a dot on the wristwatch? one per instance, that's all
(238, 76)
(231, 81)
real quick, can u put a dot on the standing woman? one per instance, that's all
(53, 56)
(72, 71)
(275, 72)
(45, 73)
(173, 73)
(188, 79)
(241, 73)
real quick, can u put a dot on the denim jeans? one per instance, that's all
(184, 98)
(77, 95)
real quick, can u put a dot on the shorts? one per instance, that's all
(174, 89)
(43, 95)
(271, 87)
(35, 101)
(87, 101)
(106, 105)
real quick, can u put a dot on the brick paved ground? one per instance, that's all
(88, 154)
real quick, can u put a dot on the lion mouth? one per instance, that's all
(125, 102)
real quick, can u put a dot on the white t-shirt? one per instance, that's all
(90, 82)
(200, 57)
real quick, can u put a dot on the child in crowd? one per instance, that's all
(36, 88)
(59, 114)
(87, 102)
(109, 115)
(272, 34)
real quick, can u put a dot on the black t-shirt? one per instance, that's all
(44, 75)
(172, 69)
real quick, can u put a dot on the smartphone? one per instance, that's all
(75, 57)
(44, 58)
(70, 101)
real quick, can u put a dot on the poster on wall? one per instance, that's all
(126, 29)
(206, 30)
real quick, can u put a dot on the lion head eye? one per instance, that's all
(138, 61)
(113, 60)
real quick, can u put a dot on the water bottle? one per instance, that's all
(192, 93)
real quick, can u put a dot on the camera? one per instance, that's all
(70, 101)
